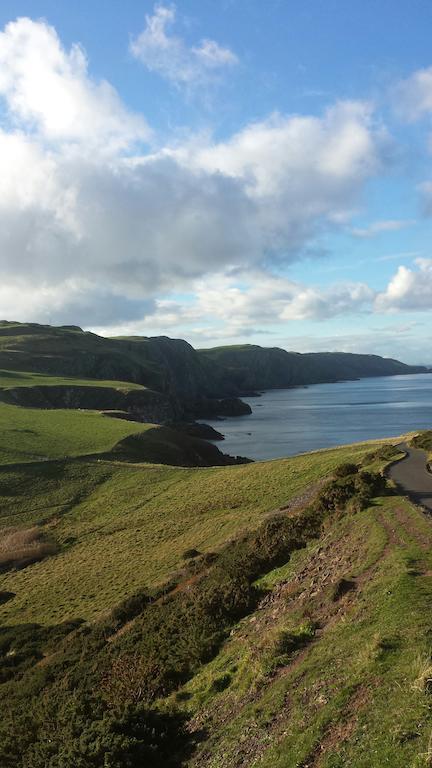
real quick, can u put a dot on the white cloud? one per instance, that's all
(169, 55)
(408, 343)
(236, 305)
(300, 171)
(316, 304)
(409, 289)
(413, 96)
(77, 220)
(377, 227)
(48, 89)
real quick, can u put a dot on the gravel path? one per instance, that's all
(411, 474)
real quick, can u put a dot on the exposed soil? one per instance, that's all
(337, 733)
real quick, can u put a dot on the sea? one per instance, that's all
(285, 422)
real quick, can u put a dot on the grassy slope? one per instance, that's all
(122, 526)
(357, 693)
(29, 434)
(25, 379)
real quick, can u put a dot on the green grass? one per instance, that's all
(306, 676)
(24, 379)
(31, 434)
(357, 694)
(122, 527)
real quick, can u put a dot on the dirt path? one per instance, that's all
(411, 474)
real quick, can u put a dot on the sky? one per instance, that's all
(223, 171)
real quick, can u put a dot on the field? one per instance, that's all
(31, 434)
(25, 379)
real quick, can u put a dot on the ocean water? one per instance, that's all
(289, 421)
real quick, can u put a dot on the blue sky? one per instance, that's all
(220, 171)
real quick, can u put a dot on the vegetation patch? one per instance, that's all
(20, 547)
(423, 441)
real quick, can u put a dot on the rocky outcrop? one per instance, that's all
(194, 429)
(216, 407)
(162, 445)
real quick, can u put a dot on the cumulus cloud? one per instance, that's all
(377, 227)
(68, 302)
(413, 96)
(82, 215)
(169, 55)
(48, 90)
(407, 343)
(409, 289)
(237, 305)
(300, 171)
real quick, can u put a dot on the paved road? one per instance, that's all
(411, 474)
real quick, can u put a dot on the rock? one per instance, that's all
(195, 429)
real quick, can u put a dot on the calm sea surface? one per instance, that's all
(289, 421)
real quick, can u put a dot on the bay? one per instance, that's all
(285, 422)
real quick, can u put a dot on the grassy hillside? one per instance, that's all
(30, 379)
(171, 366)
(30, 434)
(319, 676)
(121, 527)
(274, 614)
(304, 641)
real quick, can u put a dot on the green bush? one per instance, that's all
(220, 683)
(345, 470)
(423, 440)
(384, 453)
(289, 641)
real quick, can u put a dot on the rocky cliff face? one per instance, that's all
(250, 367)
(141, 405)
(173, 368)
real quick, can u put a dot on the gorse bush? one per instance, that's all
(384, 453)
(345, 470)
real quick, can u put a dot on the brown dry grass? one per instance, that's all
(22, 546)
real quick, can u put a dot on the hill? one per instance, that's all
(159, 607)
(271, 614)
(180, 381)
(251, 367)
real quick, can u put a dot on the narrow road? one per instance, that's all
(411, 474)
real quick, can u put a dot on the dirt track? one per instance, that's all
(411, 474)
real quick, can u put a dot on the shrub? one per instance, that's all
(423, 440)
(384, 453)
(220, 683)
(188, 554)
(131, 607)
(344, 470)
(287, 642)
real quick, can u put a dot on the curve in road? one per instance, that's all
(412, 476)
